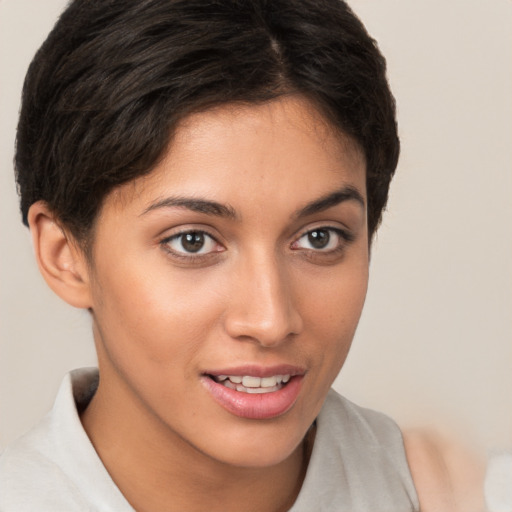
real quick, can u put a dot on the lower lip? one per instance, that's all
(258, 406)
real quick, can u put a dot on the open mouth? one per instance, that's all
(255, 392)
(250, 384)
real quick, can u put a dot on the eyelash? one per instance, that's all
(344, 238)
(195, 257)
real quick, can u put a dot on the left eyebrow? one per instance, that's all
(347, 193)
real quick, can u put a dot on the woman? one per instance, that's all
(205, 178)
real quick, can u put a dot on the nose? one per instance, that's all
(262, 306)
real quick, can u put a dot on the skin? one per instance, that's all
(257, 293)
(262, 295)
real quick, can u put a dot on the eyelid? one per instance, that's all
(343, 232)
(164, 242)
(184, 228)
(345, 237)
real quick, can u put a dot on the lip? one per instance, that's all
(256, 406)
(258, 371)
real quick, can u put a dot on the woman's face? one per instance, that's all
(227, 284)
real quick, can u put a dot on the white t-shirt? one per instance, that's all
(357, 464)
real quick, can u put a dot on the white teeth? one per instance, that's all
(250, 384)
(268, 382)
(255, 391)
(262, 390)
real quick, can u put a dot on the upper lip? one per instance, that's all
(258, 370)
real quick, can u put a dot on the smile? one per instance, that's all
(255, 392)
(250, 384)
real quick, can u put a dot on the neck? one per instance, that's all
(156, 469)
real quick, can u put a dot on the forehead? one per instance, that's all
(282, 124)
(247, 154)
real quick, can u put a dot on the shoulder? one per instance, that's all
(371, 427)
(447, 475)
(29, 476)
(360, 453)
(54, 466)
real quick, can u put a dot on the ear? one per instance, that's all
(61, 262)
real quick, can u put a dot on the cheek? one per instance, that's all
(333, 310)
(155, 315)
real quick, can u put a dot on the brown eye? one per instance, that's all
(191, 242)
(319, 238)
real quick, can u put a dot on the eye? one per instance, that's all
(189, 243)
(322, 240)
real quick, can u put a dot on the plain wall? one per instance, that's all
(434, 346)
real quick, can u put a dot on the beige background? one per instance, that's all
(434, 345)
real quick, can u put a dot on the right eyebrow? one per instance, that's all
(195, 204)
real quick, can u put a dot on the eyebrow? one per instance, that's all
(209, 207)
(195, 204)
(347, 193)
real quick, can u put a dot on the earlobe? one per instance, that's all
(61, 263)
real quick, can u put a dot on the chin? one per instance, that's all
(263, 457)
(257, 447)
